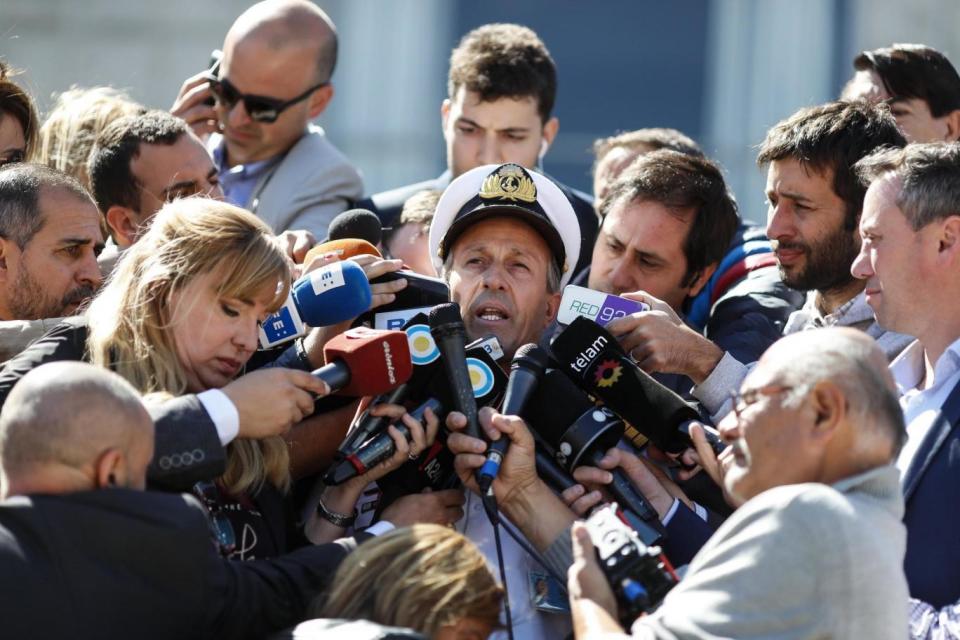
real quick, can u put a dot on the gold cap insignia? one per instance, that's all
(509, 182)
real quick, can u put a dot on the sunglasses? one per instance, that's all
(259, 108)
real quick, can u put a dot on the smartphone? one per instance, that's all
(594, 305)
(213, 66)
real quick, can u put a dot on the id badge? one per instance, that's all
(546, 594)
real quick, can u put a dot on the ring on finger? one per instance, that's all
(413, 456)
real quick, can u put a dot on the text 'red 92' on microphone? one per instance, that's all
(580, 433)
(326, 296)
(526, 368)
(593, 358)
(446, 326)
(365, 362)
(362, 224)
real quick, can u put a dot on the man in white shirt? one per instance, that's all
(910, 260)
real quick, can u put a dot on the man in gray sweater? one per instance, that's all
(816, 549)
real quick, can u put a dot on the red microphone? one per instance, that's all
(343, 249)
(366, 362)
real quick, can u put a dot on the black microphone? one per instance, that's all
(446, 326)
(356, 223)
(579, 433)
(525, 370)
(593, 358)
(378, 449)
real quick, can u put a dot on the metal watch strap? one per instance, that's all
(338, 519)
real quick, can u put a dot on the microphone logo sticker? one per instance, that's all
(607, 374)
(388, 358)
(423, 349)
(585, 357)
(481, 377)
(326, 278)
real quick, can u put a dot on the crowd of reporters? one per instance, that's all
(240, 399)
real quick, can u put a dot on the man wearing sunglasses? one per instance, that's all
(258, 102)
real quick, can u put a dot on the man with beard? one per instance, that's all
(49, 241)
(815, 200)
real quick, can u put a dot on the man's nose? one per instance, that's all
(861, 267)
(780, 223)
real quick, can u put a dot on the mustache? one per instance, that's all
(790, 246)
(78, 295)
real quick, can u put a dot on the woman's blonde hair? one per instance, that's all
(130, 320)
(73, 125)
(422, 577)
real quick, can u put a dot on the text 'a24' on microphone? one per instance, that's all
(594, 359)
(365, 362)
(343, 249)
(424, 356)
(326, 296)
(361, 224)
(526, 368)
(446, 326)
(379, 448)
(580, 433)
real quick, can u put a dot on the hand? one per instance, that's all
(190, 106)
(270, 401)
(715, 466)
(645, 476)
(586, 582)
(518, 471)
(431, 507)
(296, 244)
(374, 267)
(661, 343)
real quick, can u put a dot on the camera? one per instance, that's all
(639, 575)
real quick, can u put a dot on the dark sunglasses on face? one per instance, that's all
(259, 108)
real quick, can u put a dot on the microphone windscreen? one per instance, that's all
(332, 294)
(378, 360)
(343, 249)
(445, 314)
(556, 404)
(531, 356)
(356, 223)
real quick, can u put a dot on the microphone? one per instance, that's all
(593, 358)
(325, 296)
(381, 447)
(446, 326)
(356, 223)
(423, 355)
(421, 294)
(579, 433)
(526, 368)
(343, 249)
(365, 362)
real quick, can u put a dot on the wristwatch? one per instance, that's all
(343, 520)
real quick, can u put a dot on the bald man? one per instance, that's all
(85, 554)
(816, 549)
(274, 78)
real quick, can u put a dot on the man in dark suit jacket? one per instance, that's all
(910, 259)
(84, 553)
(502, 85)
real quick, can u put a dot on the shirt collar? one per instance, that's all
(909, 367)
(248, 170)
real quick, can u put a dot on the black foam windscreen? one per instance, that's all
(356, 223)
(556, 404)
(445, 314)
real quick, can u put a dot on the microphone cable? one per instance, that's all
(493, 515)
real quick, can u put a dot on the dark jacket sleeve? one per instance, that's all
(66, 341)
(253, 599)
(187, 446)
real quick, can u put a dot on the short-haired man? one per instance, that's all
(910, 263)
(501, 90)
(407, 240)
(920, 85)
(615, 153)
(49, 241)
(816, 549)
(273, 79)
(503, 238)
(141, 162)
(79, 538)
(815, 199)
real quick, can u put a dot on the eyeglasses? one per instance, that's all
(259, 108)
(742, 400)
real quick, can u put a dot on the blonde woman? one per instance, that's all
(427, 578)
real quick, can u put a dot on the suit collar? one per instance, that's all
(945, 424)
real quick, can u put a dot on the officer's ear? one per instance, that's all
(550, 130)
